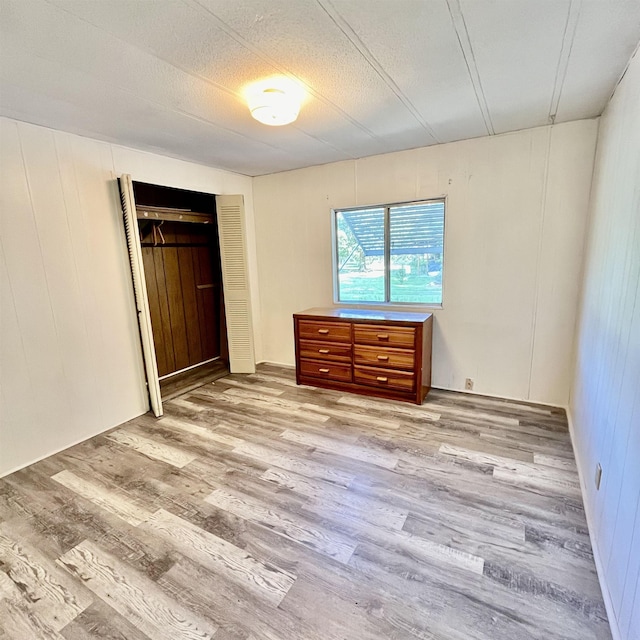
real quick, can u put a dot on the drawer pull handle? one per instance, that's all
(383, 336)
(323, 351)
(382, 379)
(385, 358)
(324, 332)
(323, 370)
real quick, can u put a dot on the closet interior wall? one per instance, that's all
(183, 278)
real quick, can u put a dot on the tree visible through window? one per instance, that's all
(390, 253)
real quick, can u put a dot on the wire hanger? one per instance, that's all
(158, 231)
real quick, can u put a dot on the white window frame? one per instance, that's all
(387, 255)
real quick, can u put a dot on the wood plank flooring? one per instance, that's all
(260, 510)
(180, 383)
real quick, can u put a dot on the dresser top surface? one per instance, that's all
(363, 314)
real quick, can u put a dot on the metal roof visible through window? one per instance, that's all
(416, 228)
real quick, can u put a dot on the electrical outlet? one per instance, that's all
(468, 384)
(598, 476)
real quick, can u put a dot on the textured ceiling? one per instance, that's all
(382, 75)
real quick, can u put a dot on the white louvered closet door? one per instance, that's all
(235, 278)
(140, 292)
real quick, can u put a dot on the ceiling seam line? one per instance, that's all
(145, 148)
(475, 66)
(145, 49)
(328, 144)
(107, 139)
(571, 25)
(259, 53)
(160, 104)
(624, 72)
(470, 61)
(355, 40)
(197, 76)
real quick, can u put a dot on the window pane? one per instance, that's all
(416, 239)
(360, 239)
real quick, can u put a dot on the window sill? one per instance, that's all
(391, 306)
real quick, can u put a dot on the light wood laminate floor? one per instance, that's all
(259, 510)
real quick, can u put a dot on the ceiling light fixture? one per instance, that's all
(274, 101)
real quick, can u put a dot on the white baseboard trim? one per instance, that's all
(288, 365)
(498, 397)
(606, 595)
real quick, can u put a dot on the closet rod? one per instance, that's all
(172, 215)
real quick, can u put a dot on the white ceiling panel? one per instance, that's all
(301, 37)
(128, 117)
(606, 33)
(44, 109)
(382, 75)
(191, 39)
(516, 46)
(418, 50)
(123, 64)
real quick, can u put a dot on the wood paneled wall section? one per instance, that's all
(70, 356)
(185, 318)
(605, 399)
(515, 217)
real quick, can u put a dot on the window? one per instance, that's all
(390, 253)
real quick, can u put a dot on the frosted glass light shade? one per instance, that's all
(273, 107)
(275, 101)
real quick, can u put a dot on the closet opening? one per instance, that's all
(183, 275)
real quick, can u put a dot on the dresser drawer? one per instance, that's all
(326, 370)
(384, 378)
(384, 357)
(325, 351)
(384, 335)
(330, 331)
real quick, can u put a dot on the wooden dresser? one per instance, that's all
(378, 353)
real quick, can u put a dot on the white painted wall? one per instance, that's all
(605, 398)
(70, 357)
(515, 221)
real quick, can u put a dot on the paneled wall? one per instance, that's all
(515, 221)
(70, 357)
(183, 285)
(605, 399)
